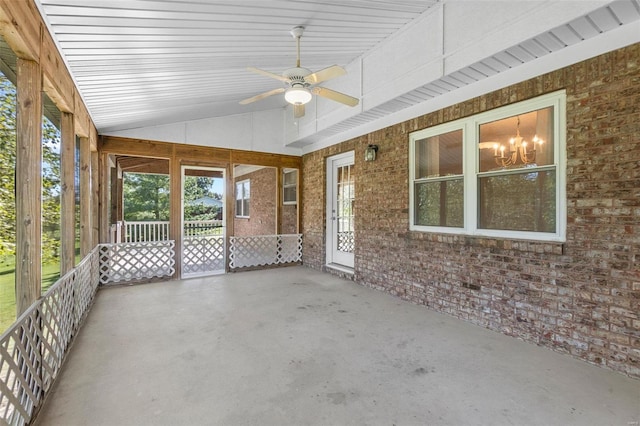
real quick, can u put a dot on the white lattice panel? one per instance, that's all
(262, 250)
(20, 363)
(202, 254)
(33, 348)
(133, 261)
(59, 322)
(346, 241)
(290, 248)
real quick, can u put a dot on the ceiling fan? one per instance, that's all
(301, 83)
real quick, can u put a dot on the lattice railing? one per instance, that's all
(33, 348)
(262, 250)
(202, 254)
(135, 261)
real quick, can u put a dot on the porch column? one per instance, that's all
(119, 201)
(230, 208)
(85, 197)
(95, 199)
(28, 184)
(299, 200)
(279, 199)
(115, 174)
(67, 194)
(105, 197)
(175, 213)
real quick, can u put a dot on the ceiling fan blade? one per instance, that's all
(262, 96)
(298, 110)
(268, 74)
(335, 96)
(325, 74)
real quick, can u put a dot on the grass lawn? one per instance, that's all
(50, 274)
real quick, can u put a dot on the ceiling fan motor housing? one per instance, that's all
(296, 76)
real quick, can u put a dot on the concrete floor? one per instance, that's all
(293, 346)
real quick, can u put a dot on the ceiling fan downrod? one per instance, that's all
(296, 32)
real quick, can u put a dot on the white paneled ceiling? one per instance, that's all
(578, 30)
(140, 63)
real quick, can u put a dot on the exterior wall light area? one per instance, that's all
(370, 153)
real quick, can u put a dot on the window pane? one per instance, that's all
(518, 202)
(290, 178)
(50, 194)
(238, 191)
(439, 203)
(514, 142)
(245, 207)
(246, 189)
(290, 194)
(439, 155)
(238, 207)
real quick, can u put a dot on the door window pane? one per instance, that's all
(344, 202)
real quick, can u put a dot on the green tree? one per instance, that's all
(50, 178)
(50, 192)
(146, 197)
(7, 167)
(196, 187)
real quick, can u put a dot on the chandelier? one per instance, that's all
(519, 151)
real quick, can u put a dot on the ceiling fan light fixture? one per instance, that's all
(297, 95)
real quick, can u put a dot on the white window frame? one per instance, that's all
(292, 185)
(471, 163)
(240, 185)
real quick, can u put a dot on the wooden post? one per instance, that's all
(298, 199)
(105, 180)
(279, 199)
(28, 184)
(113, 195)
(230, 209)
(67, 194)
(175, 213)
(86, 228)
(119, 200)
(95, 199)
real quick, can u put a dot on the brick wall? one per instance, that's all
(289, 219)
(262, 209)
(581, 297)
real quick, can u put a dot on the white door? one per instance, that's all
(340, 214)
(203, 221)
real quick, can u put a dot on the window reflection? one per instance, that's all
(523, 140)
